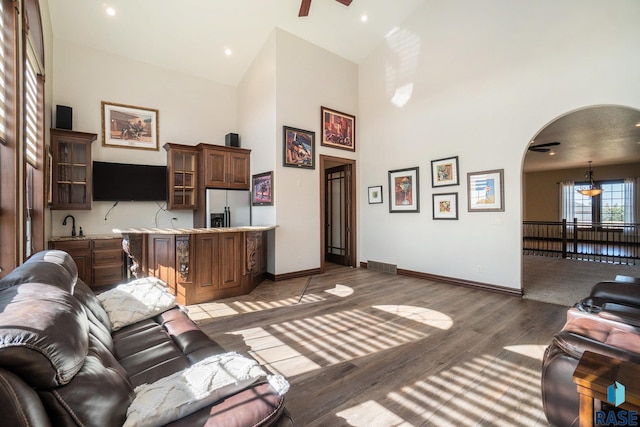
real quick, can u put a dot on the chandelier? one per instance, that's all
(593, 189)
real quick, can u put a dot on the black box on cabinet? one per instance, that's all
(64, 117)
(232, 140)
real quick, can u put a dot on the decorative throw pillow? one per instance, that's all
(135, 301)
(202, 384)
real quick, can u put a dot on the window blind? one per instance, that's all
(3, 74)
(32, 102)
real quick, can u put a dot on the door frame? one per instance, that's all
(327, 162)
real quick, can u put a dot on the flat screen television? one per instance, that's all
(128, 182)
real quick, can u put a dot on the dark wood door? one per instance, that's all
(337, 217)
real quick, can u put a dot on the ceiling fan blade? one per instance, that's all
(539, 150)
(345, 2)
(548, 144)
(304, 8)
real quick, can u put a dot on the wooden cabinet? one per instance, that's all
(71, 169)
(225, 167)
(100, 261)
(80, 251)
(107, 261)
(218, 257)
(200, 265)
(183, 176)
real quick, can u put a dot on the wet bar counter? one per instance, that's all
(200, 264)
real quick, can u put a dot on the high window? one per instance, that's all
(9, 205)
(33, 129)
(615, 206)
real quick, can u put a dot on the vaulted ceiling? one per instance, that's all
(191, 37)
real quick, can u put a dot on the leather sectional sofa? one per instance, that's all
(61, 364)
(605, 322)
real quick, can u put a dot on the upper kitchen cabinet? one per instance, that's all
(225, 167)
(71, 169)
(183, 176)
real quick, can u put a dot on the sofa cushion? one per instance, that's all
(184, 392)
(46, 349)
(138, 300)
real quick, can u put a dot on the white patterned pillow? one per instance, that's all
(135, 301)
(202, 384)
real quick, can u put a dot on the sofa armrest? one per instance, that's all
(21, 405)
(626, 293)
(621, 313)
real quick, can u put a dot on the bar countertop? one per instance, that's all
(248, 228)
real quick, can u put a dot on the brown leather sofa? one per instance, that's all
(605, 322)
(60, 364)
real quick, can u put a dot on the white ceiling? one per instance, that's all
(190, 36)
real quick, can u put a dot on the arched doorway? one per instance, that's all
(607, 135)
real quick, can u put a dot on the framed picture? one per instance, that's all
(375, 194)
(485, 191)
(338, 129)
(262, 189)
(444, 172)
(298, 148)
(404, 190)
(445, 206)
(126, 126)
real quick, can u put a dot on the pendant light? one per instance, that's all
(593, 189)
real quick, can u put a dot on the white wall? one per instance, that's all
(257, 126)
(190, 111)
(308, 77)
(478, 80)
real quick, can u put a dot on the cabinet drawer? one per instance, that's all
(107, 256)
(107, 244)
(70, 245)
(110, 275)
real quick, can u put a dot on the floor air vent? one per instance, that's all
(382, 266)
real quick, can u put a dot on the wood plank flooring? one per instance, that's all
(364, 348)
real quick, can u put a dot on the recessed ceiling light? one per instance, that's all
(227, 51)
(110, 11)
(638, 125)
(364, 17)
(552, 153)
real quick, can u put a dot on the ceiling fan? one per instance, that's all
(306, 4)
(543, 148)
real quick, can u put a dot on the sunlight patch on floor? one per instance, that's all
(341, 291)
(423, 315)
(371, 414)
(534, 351)
(273, 353)
(213, 310)
(484, 391)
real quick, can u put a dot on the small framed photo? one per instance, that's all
(404, 190)
(298, 148)
(126, 126)
(338, 129)
(262, 189)
(485, 191)
(445, 206)
(444, 172)
(375, 194)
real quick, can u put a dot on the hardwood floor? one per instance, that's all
(364, 348)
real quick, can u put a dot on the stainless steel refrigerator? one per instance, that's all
(228, 208)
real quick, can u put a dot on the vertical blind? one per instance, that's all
(31, 108)
(3, 74)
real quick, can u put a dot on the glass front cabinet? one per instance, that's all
(183, 179)
(70, 169)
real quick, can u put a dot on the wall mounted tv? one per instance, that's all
(129, 183)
